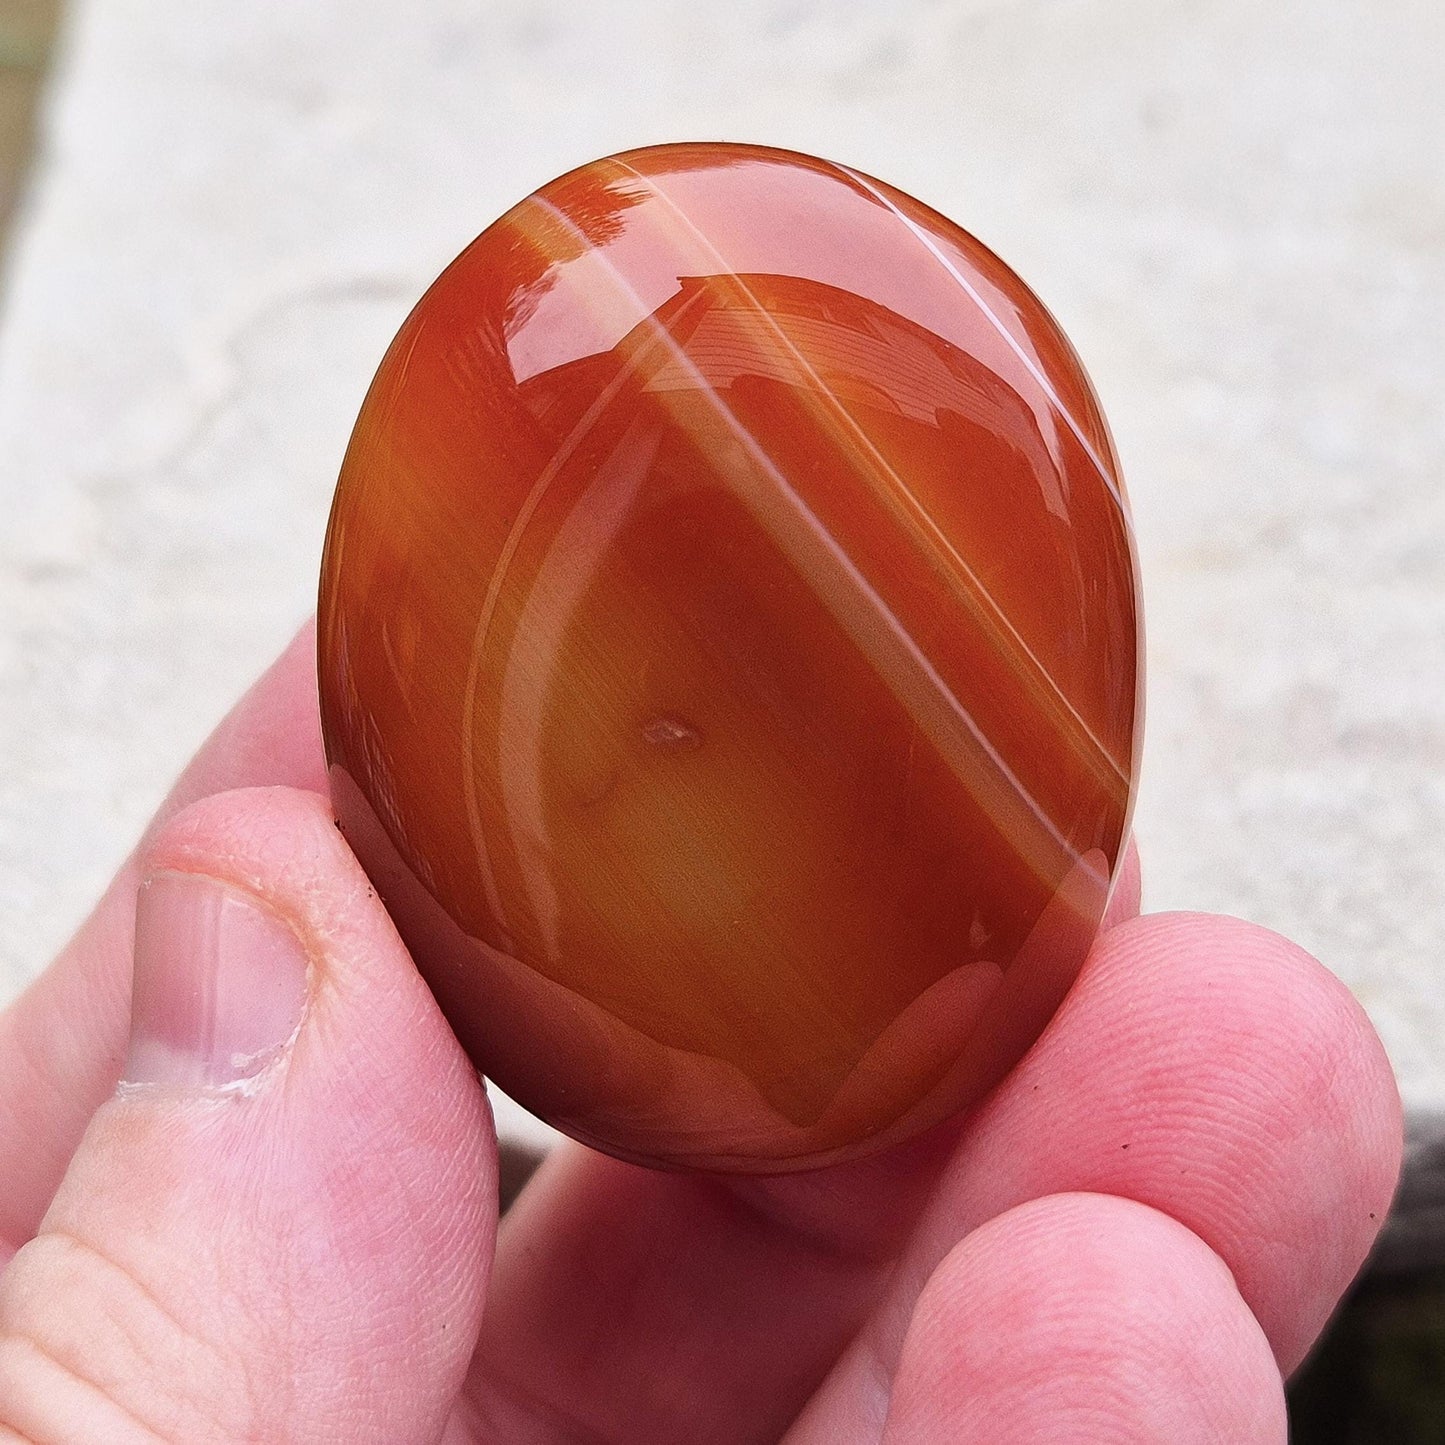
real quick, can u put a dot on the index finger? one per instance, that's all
(1208, 1069)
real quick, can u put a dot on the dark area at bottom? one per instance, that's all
(1378, 1375)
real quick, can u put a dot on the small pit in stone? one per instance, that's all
(670, 734)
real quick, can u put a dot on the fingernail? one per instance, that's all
(220, 983)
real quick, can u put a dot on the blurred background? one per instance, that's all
(214, 218)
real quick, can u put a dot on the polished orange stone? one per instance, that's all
(730, 653)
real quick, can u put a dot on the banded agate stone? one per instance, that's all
(729, 657)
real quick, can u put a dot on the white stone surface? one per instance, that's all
(1237, 210)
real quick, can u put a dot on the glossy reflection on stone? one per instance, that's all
(730, 657)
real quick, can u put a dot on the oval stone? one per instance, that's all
(730, 657)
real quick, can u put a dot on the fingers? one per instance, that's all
(63, 1041)
(1210, 1070)
(1081, 1317)
(786, 1268)
(1202, 1066)
(279, 1227)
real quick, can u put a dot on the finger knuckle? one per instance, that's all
(89, 1350)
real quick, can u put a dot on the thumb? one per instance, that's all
(280, 1227)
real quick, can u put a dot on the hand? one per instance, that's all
(282, 1226)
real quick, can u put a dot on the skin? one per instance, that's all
(1133, 1238)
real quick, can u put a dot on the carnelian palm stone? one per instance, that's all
(729, 657)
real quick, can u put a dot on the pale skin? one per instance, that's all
(1132, 1239)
